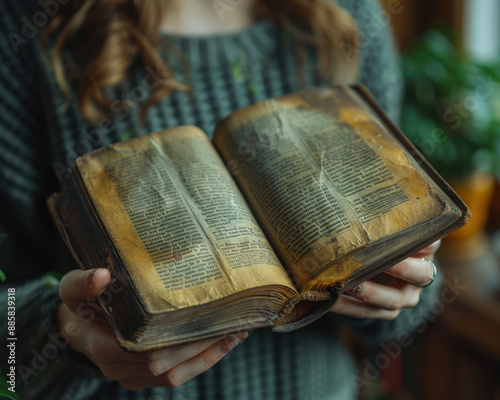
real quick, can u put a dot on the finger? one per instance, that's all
(106, 350)
(77, 286)
(429, 251)
(168, 358)
(155, 363)
(388, 280)
(412, 270)
(189, 369)
(386, 297)
(102, 347)
(355, 308)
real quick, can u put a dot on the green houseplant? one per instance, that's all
(452, 107)
(451, 112)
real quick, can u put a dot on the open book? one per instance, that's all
(299, 198)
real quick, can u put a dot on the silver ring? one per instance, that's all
(433, 276)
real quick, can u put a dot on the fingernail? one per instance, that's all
(230, 342)
(100, 272)
(356, 289)
(242, 335)
(94, 276)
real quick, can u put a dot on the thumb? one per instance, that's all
(77, 285)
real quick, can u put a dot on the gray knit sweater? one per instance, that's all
(38, 141)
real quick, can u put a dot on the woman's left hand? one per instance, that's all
(385, 295)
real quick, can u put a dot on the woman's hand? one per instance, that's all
(170, 367)
(385, 295)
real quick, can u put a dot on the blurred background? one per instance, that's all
(451, 64)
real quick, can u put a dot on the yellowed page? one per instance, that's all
(178, 221)
(324, 177)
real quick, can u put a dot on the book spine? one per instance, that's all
(86, 238)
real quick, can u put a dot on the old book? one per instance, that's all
(298, 198)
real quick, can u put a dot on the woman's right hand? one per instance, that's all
(167, 367)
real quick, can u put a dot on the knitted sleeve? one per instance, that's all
(379, 71)
(28, 242)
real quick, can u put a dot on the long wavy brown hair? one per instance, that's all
(108, 38)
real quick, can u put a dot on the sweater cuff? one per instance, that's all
(43, 357)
